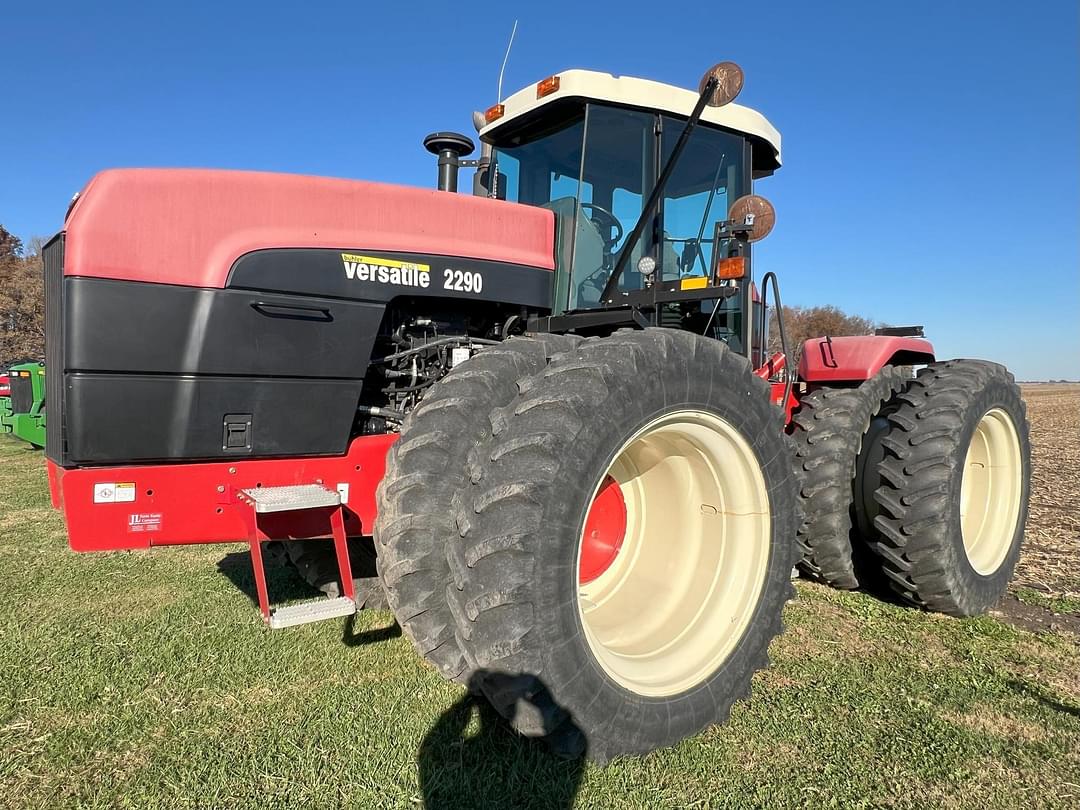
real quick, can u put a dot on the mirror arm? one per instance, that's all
(649, 211)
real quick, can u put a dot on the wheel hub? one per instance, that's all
(605, 530)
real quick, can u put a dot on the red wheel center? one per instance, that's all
(605, 529)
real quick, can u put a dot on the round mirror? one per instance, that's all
(756, 212)
(729, 77)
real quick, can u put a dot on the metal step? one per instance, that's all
(307, 612)
(288, 499)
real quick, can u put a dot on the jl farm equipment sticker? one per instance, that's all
(386, 271)
(144, 522)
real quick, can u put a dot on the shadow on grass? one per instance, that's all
(285, 585)
(1039, 696)
(351, 638)
(282, 581)
(471, 758)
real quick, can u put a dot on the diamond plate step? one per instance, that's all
(288, 499)
(307, 612)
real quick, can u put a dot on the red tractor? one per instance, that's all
(540, 422)
(5, 403)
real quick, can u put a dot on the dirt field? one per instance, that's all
(1050, 562)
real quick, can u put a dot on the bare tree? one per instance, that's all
(22, 299)
(803, 323)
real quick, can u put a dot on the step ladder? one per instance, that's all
(266, 500)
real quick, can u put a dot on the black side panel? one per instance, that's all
(53, 257)
(127, 326)
(143, 418)
(155, 372)
(322, 272)
(22, 394)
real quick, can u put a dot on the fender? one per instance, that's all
(859, 357)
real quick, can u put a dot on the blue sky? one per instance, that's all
(931, 154)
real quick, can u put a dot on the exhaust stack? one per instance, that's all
(450, 147)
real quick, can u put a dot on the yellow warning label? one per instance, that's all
(694, 283)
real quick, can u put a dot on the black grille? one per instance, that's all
(22, 394)
(53, 256)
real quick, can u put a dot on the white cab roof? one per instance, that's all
(643, 93)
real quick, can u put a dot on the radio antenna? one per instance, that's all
(506, 58)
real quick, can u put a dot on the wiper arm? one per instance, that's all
(649, 211)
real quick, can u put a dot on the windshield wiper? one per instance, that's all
(707, 89)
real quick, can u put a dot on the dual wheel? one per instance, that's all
(595, 534)
(920, 485)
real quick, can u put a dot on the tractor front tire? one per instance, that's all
(424, 469)
(956, 478)
(830, 431)
(664, 443)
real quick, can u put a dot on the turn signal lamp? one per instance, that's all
(494, 113)
(733, 267)
(547, 86)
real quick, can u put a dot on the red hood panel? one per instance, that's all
(188, 226)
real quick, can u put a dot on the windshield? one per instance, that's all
(596, 167)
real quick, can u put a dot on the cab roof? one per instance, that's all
(627, 91)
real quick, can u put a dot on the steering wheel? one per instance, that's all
(604, 220)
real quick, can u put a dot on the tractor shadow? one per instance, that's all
(282, 581)
(471, 757)
(285, 585)
(1040, 696)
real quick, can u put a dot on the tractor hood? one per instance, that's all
(189, 226)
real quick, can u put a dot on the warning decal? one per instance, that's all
(115, 492)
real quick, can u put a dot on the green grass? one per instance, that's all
(147, 680)
(1055, 603)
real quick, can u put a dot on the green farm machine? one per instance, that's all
(22, 413)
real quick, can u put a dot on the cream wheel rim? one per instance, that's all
(680, 594)
(990, 491)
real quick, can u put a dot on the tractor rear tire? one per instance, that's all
(661, 643)
(956, 478)
(317, 565)
(424, 469)
(830, 430)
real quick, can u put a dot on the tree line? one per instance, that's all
(22, 299)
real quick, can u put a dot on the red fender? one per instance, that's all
(859, 357)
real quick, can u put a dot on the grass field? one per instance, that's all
(147, 680)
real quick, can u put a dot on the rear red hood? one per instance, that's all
(188, 226)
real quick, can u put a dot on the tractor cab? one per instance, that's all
(593, 147)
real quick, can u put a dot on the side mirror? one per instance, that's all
(729, 83)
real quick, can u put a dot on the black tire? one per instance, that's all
(424, 469)
(921, 543)
(515, 590)
(316, 563)
(829, 431)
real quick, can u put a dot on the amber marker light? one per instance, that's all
(547, 86)
(494, 113)
(733, 267)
